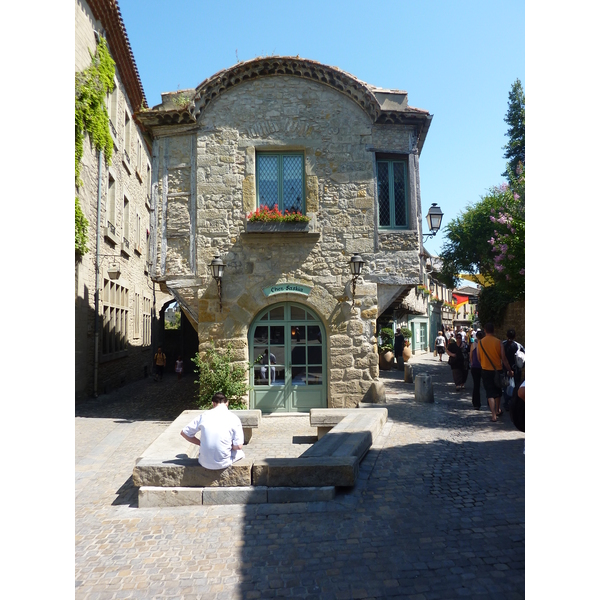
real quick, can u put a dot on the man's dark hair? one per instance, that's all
(219, 398)
(489, 328)
(511, 334)
(479, 335)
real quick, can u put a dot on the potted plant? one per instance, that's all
(265, 219)
(386, 348)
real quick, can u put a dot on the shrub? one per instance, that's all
(387, 340)
(216, 373)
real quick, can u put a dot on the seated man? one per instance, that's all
(221, 435)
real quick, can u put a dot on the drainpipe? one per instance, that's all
(97, 290)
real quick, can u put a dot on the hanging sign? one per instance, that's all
(287, 288)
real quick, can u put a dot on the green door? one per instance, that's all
(287, 347)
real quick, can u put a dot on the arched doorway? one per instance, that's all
(288, 349)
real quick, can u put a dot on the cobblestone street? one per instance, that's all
(438, 512)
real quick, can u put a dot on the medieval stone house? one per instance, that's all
(296, 135)
(115, 297)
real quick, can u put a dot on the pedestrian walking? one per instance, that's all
(492, 359)
(511, 347)
(160, 361)
(399, 349)
(440, 344)
(455, 360)
(476, 371)
(179, 367)
(465, 348)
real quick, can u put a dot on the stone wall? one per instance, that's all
(205, 177)
(136, 360)
(514, 318)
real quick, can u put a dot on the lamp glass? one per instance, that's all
(356, 264)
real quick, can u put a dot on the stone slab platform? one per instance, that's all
(155, 497)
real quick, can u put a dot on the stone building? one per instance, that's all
(113, 332)
(298, 135)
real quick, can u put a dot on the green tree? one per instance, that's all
(515, 118)
(489, 238)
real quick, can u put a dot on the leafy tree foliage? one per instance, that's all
(489, 238)
(515, 118)
(216, 373)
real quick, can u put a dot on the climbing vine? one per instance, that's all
(91, 117)
(81, 230)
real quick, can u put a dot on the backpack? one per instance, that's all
(520, 357)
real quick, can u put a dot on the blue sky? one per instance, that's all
(457, 59)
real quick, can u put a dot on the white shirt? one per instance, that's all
(219, 430)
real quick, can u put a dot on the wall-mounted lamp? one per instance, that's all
(434, 220)
(217, 266)
(356, 265)
(114, 271)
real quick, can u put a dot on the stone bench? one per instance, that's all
(172, 461)
(334, 459)
(167, 474)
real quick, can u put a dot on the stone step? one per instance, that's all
(158, 497)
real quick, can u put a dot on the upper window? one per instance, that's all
(280, 181)
(392, 192)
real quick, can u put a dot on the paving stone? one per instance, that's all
(234, 495)
(410, 507)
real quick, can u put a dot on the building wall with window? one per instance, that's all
(127, 297)
(300, 136)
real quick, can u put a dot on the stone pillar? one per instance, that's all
(423, 388)
(408, 373)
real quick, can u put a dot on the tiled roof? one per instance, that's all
(109, 14)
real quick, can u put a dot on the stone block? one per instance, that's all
(158, 497)
(235, 495)
(408, 373)
(376, 393)
(187, 472)
(282, 495)
(423, 388)
(308, 472)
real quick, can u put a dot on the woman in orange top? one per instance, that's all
(491, 355)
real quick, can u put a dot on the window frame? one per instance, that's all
(280, 154)
(390, 159)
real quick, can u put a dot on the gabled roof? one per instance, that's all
(109, 14)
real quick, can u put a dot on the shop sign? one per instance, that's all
(287, 288)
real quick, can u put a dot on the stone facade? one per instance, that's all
(127, 294)
(204, 170)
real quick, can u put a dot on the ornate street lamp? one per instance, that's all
(217, 267)
(434, 220)
(356, 265)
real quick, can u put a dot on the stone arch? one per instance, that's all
(273, 66)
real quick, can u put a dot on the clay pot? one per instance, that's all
(386, 360)
(407, 352)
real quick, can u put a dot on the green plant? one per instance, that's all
(406, 332)
(387, 340)
(91, 116)
(81, 231)
(216, 373)
(274, 215)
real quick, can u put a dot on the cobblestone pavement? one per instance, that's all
(438, 512)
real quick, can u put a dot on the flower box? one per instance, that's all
(276, 226)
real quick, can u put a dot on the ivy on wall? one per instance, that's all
(91, 118)
(81, 230)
